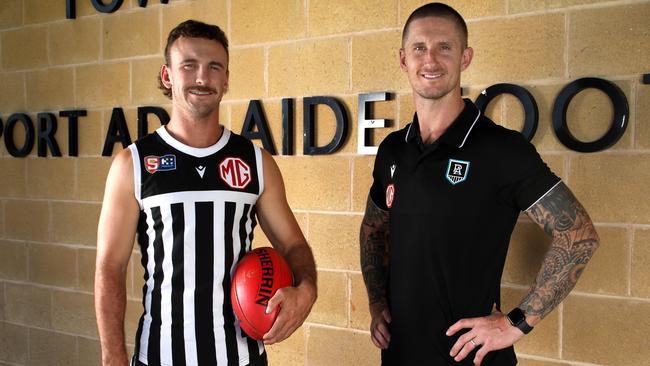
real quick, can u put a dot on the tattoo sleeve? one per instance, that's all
(575, 240)
(375, 252)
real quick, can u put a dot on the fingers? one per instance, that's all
(293, 311)
(467, 340)
(461, 324)
(464, 347)
(275, 301)
(478, 358)
(380, 334)
(280, 330)
(386, 315)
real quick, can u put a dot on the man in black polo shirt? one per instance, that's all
(447, 191)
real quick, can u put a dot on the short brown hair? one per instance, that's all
(191, 29)
(437, 10)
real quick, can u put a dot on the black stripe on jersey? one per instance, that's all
(253, 349)
(253, 217)
(143, 241)
(204, 321)
(178, 284)
(153, 351)
(228, 315)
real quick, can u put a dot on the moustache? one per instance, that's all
(200, 88)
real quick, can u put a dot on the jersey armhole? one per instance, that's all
(259, 160)
(137, 179)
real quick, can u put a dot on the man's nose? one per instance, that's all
(432, 56)
(202, 75)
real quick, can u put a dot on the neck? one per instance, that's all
(193, 131)
(435, 116)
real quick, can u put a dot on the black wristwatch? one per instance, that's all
(517, 318)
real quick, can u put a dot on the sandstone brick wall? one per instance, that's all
(294, 49)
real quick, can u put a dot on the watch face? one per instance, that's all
(516, 316)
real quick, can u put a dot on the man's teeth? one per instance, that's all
(199, 92)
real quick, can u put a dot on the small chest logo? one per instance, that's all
(235, 172)
(390, 195)
(160, 163)
(201, 170)
(457, 171)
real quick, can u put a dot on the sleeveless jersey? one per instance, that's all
(197, 215)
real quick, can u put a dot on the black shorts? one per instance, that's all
(261, 360)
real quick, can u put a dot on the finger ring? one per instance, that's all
(472, 342)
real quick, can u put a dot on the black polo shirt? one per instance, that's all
(453, 205)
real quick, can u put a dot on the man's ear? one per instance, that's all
(468, 55)
(402, 59)
(165, 76)
(227, 84)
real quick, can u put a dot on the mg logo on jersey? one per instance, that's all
(457, 171)
(160, 163)
(235, 172)
(390, 195)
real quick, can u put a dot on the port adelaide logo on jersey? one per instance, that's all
(160, 163)
(235, 172)
(457, 171)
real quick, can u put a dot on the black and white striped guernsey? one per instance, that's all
(197, 215)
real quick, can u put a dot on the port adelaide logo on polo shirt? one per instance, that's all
(457, 171)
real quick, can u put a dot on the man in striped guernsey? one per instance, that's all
(193, 192)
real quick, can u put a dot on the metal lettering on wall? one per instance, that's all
(100, 6)
(256, 125)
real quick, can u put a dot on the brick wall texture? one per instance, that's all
(49, 206)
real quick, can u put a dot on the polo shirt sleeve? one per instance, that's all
(525, 177)
(378, 188)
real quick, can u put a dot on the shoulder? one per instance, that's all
(502, 140)
(235, 138)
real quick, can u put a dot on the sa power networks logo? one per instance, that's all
(457, 171)
(235, 172)
(160, 163)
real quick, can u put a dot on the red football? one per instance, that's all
(259, 274)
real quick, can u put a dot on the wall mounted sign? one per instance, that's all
(256, 126)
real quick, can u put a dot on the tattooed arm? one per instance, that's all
(575, 240)
(375, 253)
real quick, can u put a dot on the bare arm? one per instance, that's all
(375, 254)
(575, 240)
(280, 226)
(115, 236)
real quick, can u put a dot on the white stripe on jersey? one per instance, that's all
(260, 169)
(217, 282)
(137, 180)
(189, 274)
(166, 289)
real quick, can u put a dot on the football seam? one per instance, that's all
(239, 305)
